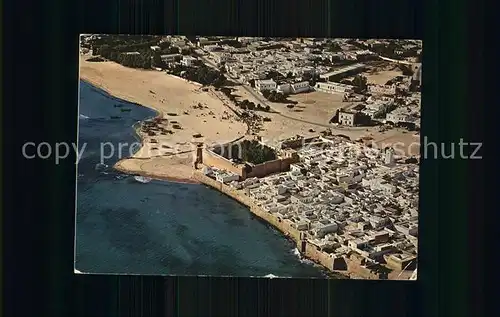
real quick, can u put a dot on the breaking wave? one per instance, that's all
(302, 259)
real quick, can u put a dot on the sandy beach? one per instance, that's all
(173, 98)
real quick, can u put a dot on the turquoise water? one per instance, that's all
(160, 228)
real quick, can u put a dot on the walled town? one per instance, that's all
(356, 206)
(314, 135)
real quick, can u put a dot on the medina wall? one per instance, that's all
(282, 225)
(210, 158)
(292, 144)
(271, 167)
(408, 264)
(323, 258)
(306, 248)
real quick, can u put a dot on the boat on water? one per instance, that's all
(142, 179)
(118, 105)
(125, 109)
(100, 166)
(115, 117)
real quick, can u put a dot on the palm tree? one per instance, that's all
(361, 83)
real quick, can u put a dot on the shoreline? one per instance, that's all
(307, 250)
(196, 177)
(264, 216)
(170, 179)
(196, 181)
(117, 166)
(158, 114)
(169, 97)
(95, 84)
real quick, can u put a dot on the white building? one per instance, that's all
(170, 58)
(336, 198)
(331, 87)
(212, 48)
(188, 60)
(207, 170)
(284, 88)
(322, 230)
(180, 43)
(388, 189)
(396, 117)
(406, 228)
(226, 177)
(307, 70)
(263, 85)
(382, 89)
(347, 118)
(220, 57)
(202, 41)
(300, 87)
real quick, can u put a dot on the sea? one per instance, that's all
(162, 228)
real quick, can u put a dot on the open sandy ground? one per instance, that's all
(381, 77)
(174, 168)
(167, 95)
(313, 111)
(319, 108)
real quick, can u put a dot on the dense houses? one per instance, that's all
(345, 198)
(296, 61)
(349, 200)
(295, 68)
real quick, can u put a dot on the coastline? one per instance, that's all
(117, 97)
(197, 177)
(130, 171)
(171, 98)
(181, 171)
(349, 268)
(194, 179)
(287, 231)
(171, 179)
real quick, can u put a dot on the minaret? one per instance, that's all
(389, 157)
(197, 155)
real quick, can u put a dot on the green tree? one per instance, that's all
(164, 45)
(334, 47)
(113, 56)
(104, 51)
(360, 83)
(157, 61)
